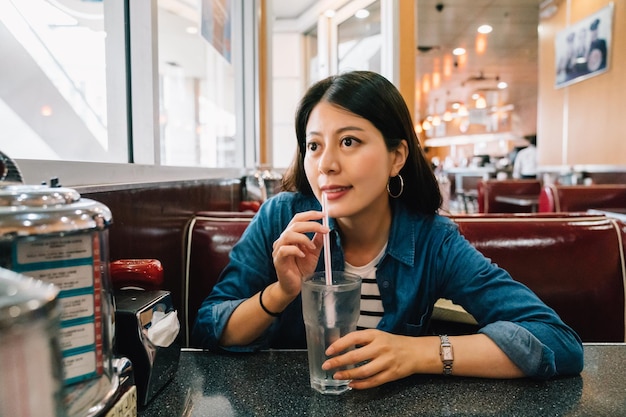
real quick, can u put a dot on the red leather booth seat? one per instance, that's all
(573, 262)
(210, 236)
(564, 198)
(489, 189)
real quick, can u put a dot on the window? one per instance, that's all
(53, 87)
(114, 82)
(359, 40)
(197, 113)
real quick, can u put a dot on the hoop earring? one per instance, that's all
(401, 187)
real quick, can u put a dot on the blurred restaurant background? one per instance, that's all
(96, 92)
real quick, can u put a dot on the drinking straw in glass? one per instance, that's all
(327, 263)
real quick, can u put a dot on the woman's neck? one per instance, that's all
(364, 236)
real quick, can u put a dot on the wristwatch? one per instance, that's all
(446, 354)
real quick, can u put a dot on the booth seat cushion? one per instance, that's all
(210, 236)
(564, 198)
(575, 264)
(488, 190)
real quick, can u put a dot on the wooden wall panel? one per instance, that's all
(582, 123)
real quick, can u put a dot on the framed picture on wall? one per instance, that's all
(584, 48)
(215, 25)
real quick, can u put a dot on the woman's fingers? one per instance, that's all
(357, 338)
(294, 254)
(294, 233)
(380, 357)
(340, 353)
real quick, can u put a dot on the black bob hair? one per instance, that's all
(371, 96)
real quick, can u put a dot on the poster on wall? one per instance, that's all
(215, 25)
(584, 48)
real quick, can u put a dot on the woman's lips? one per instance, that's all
(336, 192)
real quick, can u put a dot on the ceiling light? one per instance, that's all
(485, 29)
(458, 51)
(502, 85)
(46, 110)
(436, 79)
(361, 14)
(481, 44)
(329, 13)
(448, 64)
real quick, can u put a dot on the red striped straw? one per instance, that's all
(327, 263)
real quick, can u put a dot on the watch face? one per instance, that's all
(446, 353)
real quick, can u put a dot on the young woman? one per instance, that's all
(357, 144)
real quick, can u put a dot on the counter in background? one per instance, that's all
(276, 383)
(464, 190)
(477, 173)
(583, 174)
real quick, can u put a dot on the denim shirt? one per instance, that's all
(426, 259)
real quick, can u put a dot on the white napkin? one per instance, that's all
(164, 328)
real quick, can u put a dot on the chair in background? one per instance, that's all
(606, 177)
(466, 192)
(567, 198)
(490, 191)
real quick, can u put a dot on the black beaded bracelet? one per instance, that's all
(265, 308)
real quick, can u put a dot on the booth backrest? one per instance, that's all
(607, 177)
(564, 198)
(573, 262)
(488, 190)
(210, 236)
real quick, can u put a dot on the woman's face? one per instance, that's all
(346, 157)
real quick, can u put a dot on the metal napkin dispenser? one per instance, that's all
(146, 330)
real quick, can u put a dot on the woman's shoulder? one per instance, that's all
(408, 224)
(418, 220)
(444, 221)
(437, 224)
(413, 232)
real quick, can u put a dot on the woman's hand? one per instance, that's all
(294, 254)
(386, 357)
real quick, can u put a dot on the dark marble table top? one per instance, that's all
(276, 383)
